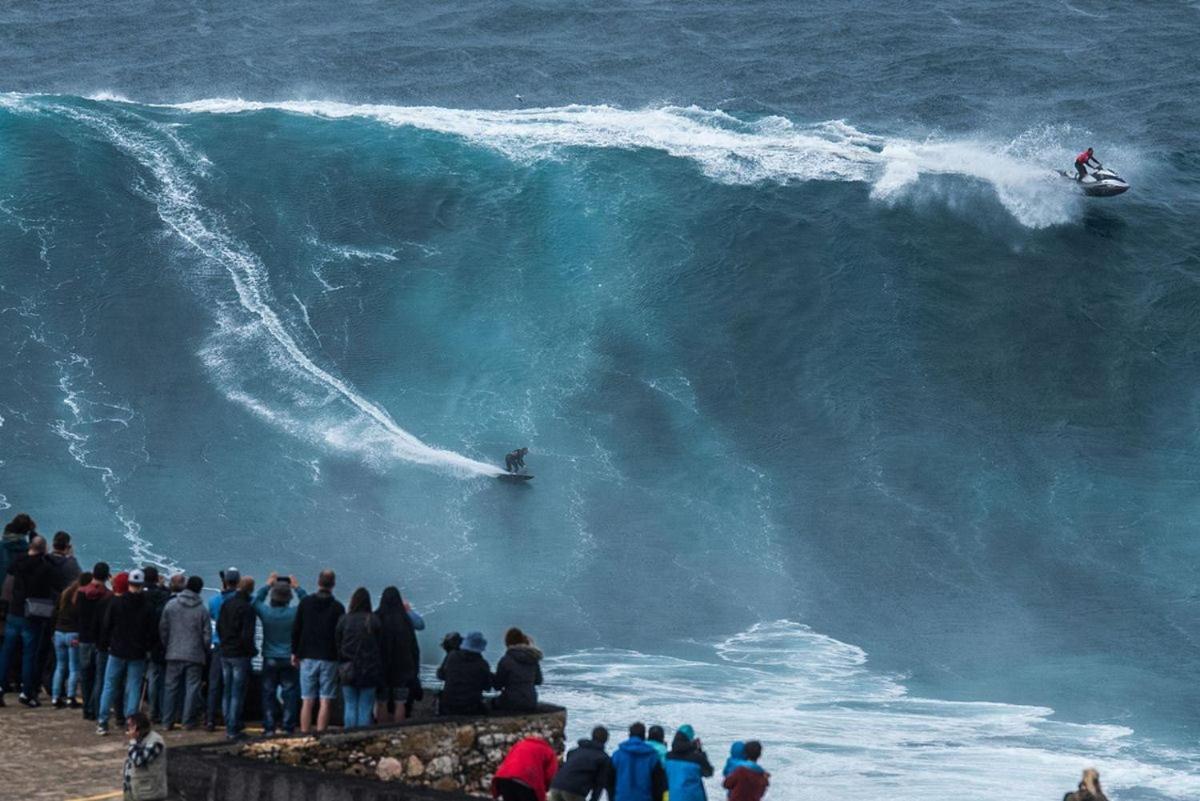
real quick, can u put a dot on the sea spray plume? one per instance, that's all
(724, 147)
(369, 429)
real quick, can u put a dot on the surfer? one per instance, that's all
(1083, 161)
(516, 460)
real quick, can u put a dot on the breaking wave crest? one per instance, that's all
(728, 149)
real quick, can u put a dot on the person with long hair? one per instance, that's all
(66, 645)
(518, 673)
(360, 664)
(1089, 788)
(401, 657)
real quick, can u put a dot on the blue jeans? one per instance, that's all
(235, 671)
(66, 664)
(121, 673)
(357, 705)
(28, 632)
(278, 674)
(182, 677)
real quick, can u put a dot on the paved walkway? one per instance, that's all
(49, 754)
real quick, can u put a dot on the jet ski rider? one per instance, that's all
(516, 460)
(1083, 161)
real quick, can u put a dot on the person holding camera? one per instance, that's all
(274, 607)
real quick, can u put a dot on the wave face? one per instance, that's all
(904, 387)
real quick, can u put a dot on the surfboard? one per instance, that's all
(515, 478)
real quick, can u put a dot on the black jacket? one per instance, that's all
(92, 605)
(517, 676)
(315, 630)
(66, 568)
(33, 577)
(467, 677)
(235, 627)
(157, 597)
(399, 649)
(125, 632)
(357, 637)
(586, 771)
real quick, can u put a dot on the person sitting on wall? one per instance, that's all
(466, 676)
(518, 673)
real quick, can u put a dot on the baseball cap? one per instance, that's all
(230, 575)
(136, 576)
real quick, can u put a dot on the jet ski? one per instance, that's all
(1100, 182)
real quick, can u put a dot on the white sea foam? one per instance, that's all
(833, 728)
(295, 393)
(725, 148)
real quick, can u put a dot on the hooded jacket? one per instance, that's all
(748, 782)
(313, 631)
(532, 762)
(467, 676)
(90, 605)
(185, 628)
(687, 766)
(127, 631)
(357, 637)
(587, 771)
(639, 774)
(236, 627)
(517, 676)
(277, 622)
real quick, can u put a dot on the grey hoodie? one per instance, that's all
(185, 628)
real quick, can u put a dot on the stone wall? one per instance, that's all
(442, 757)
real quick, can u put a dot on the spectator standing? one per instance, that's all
(34, 591)
(1088, 789)
(127, 633)
(145, 774)
(687, 766)
(747, 781)
(216, 697)
(314, 650)
(273, 605)
(587, 771)
(526, 772)
(638, 773)
(361, 666)
(656, 739)
(92, 602)
(518, 673)
(185, 631)
(66, 645)
(236, 629)
(62, 558)
(466, 676)
(156, 663)
(401, 657)
(14, 542)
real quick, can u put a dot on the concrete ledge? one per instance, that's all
(419, 760)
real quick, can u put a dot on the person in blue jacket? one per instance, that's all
(277, 614)
(638, 773)
(687, 767)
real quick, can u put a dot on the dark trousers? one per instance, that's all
(88, 656)
(25, 633)
(156, 679)
(278, 674)
(1082, 170)
(511, 790)
(215, 696)
(182, 688)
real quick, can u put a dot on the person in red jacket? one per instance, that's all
(526, 773)
(1083, 161)
(748, 782)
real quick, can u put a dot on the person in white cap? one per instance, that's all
(127, 629)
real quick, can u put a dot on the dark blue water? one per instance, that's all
(840, 402)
